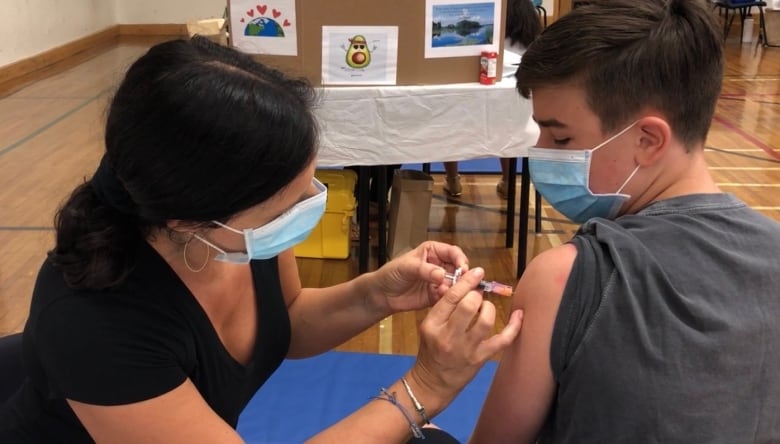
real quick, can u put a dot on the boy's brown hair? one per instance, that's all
(627, 55)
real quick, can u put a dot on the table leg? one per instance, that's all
(728, 26)
(522, 236)
(382, 216)
(510, 203)
(538, 213)
(363, 184)
(762, 29)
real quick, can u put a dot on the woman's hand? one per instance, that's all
(456, 339)
(415, 279)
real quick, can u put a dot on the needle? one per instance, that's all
(490, 286)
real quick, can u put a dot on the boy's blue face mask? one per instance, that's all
(282, 233)
(562, 178)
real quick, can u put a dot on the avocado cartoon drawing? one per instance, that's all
(358, 54)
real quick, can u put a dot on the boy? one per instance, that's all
(658, 321)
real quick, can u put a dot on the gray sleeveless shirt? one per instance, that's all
(669, 328)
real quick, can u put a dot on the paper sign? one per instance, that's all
(461, 28)
(264, 27)
(359, 55)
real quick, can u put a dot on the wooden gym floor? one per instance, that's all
(51, 139)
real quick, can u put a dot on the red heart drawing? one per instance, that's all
(261, 9)
(242, 19)
(276, 13)
(251, 13)
(286, 22)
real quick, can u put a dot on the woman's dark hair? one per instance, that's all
(196, 132)
(522, 22)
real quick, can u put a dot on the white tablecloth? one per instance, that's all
(412, 124)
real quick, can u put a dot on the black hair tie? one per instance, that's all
(110, 190)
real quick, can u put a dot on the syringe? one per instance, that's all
(490, 286)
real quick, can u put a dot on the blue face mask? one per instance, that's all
(282, 233)
(562, 178)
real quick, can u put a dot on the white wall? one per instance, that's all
(167, 11)
(179, 11)
(29, 27)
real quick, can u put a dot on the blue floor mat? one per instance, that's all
(305, 396)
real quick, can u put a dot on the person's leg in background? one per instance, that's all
(452, 180)
(501, 185)
(373, 188)
(373, 194)
(389, 172)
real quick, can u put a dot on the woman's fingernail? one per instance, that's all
(479, 272)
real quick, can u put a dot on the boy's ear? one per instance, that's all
(654, 140)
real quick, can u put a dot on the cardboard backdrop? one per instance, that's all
(407, 15)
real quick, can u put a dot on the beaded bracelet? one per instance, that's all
(390, 397)
(417, 406)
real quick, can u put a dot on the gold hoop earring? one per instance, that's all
(187, 263)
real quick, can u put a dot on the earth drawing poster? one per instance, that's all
(264, 26)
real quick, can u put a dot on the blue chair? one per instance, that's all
(744, 8)
(540, 10)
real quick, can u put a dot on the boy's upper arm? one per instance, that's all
(523, 387)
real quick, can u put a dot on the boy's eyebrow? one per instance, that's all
(550, 123)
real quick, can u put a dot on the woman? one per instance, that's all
(172, 292)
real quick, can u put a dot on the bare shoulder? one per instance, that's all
(523, 387)
(545, 277)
